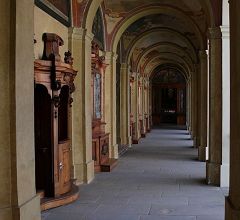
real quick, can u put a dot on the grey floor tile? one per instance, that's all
(157, 217)
(113, 217)
(210, 217)
(158, 179)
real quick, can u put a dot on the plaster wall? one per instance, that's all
(18, 198)
(44, 23)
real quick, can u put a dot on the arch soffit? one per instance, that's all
(93, 5)
(89, 13)
(170, 65)
(170, 56)
(207, 5)
(158, 46)
(160, 30)
(150, 11)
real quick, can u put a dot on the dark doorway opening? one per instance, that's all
(169, 97)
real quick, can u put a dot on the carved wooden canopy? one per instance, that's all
(51, 71)
(98, 62)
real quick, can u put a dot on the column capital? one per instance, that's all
(110, 55)
(76, 33)
(202, 54)
(215, 33)
(124, 66)
(225, 29)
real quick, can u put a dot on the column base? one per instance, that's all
(143, 135)
(225, 170)
(78, 173)
(135, 141)
(213, 173)
(230, 212)
(89, 172)
(195, 142)
(129, 141)
(29, 210)
(202, 154)
(114, 152)
(6, 213)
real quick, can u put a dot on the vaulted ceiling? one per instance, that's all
(151, 33)
(173, 35)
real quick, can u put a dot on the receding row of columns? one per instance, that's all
(208, 94)
(219, 143)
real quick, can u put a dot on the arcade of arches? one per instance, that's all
(83, 80)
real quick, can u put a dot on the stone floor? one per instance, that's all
(159, 179)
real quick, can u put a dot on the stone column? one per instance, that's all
(208, 100)
(194, 108)
(18, 199)
(198, 106)
(187, 104)
(215, 107)
(125, 107)
(110, 102)
(225, 96)
(140, 104)
(148, 104)
(83, 165)
(136, 109)
(203, 107)
(189, 86)
(233, 200)
(144, 104)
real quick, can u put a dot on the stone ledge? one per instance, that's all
(213, 173)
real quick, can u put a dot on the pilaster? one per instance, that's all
(215, 107)
(194, 108)
(110, 102)
(124, 103)
(233, 200)
(18, 199)
(136, 135)
(203, 107)
(80, 45)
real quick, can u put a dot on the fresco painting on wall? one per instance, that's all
(98, 29)
(59, 9)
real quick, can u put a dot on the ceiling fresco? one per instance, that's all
(183, 25)
(158, 22)
(125, 6)
(168, 75)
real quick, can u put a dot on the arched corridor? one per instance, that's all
(83, 82)
(160, 178)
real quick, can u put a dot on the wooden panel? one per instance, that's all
(64, 167)
(95, 151)
(104, 149)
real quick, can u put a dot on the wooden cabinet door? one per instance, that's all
(104, 149)
(64, 167)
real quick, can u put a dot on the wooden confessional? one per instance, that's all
(100, 139)
(52, 111)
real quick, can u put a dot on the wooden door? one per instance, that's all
(64, 167)
(104, 149)
(64, 148)
(44, 164)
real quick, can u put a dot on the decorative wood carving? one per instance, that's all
(100, 141)
(51, 46)
(57, 78)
